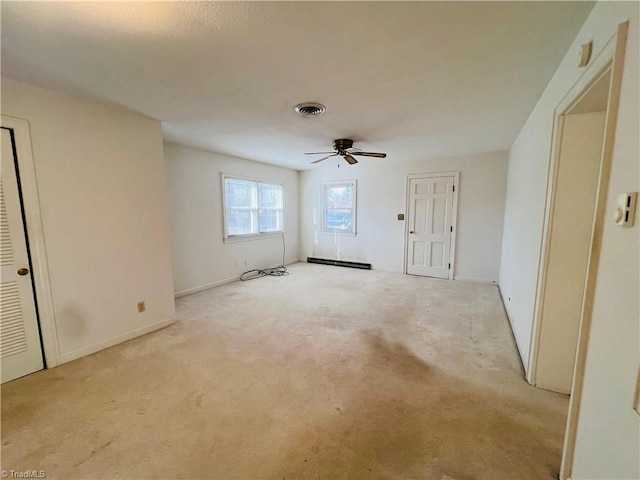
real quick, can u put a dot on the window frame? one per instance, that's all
(353, 183)
(254, 235)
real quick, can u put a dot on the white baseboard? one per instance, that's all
(474, 280)
(553, 388)
(110, 342)
(516, 334)
(206, 286)
(219, 283)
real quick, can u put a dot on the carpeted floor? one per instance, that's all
(326, 373)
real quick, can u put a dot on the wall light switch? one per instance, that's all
(401, 216)
(626, 209)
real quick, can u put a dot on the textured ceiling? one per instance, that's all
(414, 79)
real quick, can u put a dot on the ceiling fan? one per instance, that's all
(344, 148)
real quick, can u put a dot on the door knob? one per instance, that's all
(23, 271)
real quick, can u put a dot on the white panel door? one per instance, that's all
(20, 350)
(430, 214)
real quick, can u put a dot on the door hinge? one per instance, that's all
(449, 266)
(454, 188)
(452, 228)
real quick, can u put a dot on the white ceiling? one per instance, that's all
(416, 80)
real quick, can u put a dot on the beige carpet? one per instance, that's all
(326, 373)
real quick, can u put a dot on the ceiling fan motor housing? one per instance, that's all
(344, 148)
(342, 144)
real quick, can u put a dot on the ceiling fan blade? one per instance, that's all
(370, 154)
(352, 150)
(318, 153)
(324, 158)
(350, 160)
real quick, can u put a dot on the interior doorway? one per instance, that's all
(572, 208)
(582, 146)
(430, 235)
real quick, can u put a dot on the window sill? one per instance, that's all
(333, 233)
(251, 237)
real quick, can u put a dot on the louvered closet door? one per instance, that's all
(20, 350)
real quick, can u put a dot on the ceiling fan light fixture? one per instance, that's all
(344, 148)
(310, 109)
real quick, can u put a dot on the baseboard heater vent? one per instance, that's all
(339, 263)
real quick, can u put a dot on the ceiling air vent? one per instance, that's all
(310, 109)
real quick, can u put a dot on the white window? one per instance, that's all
(339, 207)
(252, 207)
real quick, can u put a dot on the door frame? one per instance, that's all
(35, 234)
(610, 60)
(454, 215)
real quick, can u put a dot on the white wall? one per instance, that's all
(382, 195)
(102, 195)
(607, 443)
(200, 257)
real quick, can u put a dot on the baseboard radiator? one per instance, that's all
(339, 263)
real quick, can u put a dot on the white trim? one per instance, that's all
(517, 334)
(253, 236)
(454, 222)
(600, 66)
(206, 286)
(614, 52)
(110, 342)
(226, 238)
(331, 233)
(219, 283)
(35, 233)
(553, 388)
(454, 215)
(474, 280)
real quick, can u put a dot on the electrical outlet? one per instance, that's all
(141, 307)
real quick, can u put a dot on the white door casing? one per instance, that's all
(431, 217)
(568, 245)
(20, 349)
